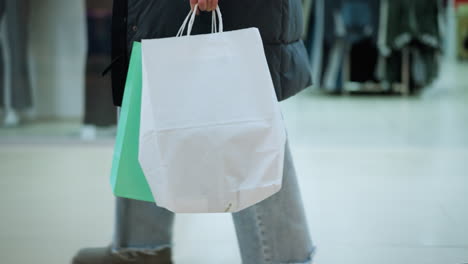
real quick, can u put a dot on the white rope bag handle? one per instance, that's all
(190, 20)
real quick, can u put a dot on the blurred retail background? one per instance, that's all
(380, 140)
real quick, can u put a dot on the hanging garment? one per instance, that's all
(307, 14)
(332, 80)
(350, 22)
(392, 73)
(398, 26)
(335, 44)
(415, 26)
(361, 22)
(424, 64)
(419, 68)
(361, 19)
(314, 39)
(325, 44)
(408, 20)
(462, 31)
(425, 17)
(15, 85)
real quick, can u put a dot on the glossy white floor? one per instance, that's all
(384, 180)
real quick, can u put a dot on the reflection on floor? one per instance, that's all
(384, 180)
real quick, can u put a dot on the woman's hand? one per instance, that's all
(204, 5)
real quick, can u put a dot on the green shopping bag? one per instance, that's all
(127, 178)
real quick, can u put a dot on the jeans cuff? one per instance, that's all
(308, 261)
(131, 251)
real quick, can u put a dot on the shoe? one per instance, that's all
(106, 256)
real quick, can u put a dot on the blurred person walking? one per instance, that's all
(272, 231)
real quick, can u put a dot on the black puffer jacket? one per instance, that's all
(279, 22)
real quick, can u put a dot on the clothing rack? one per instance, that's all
(397, 44)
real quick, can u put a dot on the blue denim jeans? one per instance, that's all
(273, 231)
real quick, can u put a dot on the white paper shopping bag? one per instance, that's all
(212, 138)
